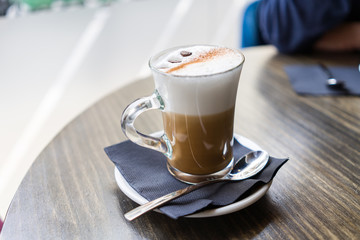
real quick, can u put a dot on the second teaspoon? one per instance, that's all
(332, 82)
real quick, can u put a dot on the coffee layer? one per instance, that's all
(201, 144)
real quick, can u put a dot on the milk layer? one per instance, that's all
(195, 87)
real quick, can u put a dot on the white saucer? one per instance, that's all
(236, 206)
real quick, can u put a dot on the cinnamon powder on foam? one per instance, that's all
(201, 58)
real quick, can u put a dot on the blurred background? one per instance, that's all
(16, 8)
(58, 57)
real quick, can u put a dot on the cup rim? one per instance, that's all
(153, 68)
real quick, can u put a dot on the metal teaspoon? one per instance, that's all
(332, 82)
(246, 167)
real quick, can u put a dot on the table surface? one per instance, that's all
(70, 191)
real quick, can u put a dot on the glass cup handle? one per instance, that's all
(131, 112)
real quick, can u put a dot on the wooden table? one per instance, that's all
(70, 191)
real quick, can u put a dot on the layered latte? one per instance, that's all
(198, 86)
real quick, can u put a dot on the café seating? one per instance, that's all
(250, 34)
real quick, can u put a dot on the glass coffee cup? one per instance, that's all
(195, 88)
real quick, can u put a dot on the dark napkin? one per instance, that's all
(311, 79)
(145, 171)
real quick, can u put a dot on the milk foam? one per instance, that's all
(193, 87)
(198, 60)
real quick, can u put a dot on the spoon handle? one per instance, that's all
(326, 70)
(140, 210)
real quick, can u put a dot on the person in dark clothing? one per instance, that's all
(300, 26)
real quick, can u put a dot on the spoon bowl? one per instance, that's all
(246, 167)
(331, 81)
(334, 83)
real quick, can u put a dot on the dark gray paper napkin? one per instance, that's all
(145, 171)
(311, 79)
